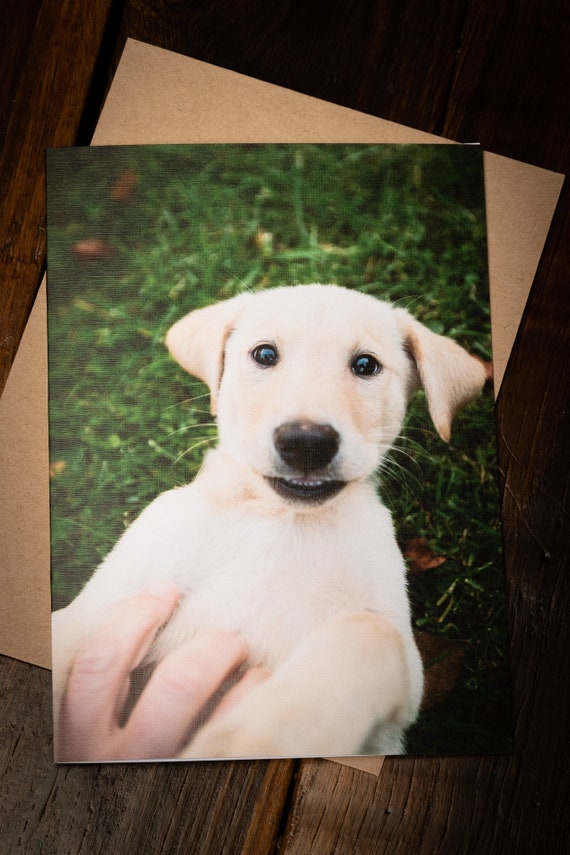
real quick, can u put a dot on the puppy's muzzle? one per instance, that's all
(307, 449)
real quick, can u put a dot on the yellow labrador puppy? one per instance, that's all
(282, 537)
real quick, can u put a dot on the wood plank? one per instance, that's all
(510, 91)
(335, 809)
(419, 805)
(390, 59)
(15, 36)
(50, 81)
(511, 82)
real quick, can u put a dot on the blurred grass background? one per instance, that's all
(138, 236)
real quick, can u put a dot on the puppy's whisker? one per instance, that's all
(193, 447)
(199, 411)
(392, 470)
(189, 400)
(403, 453)
(406, 301)
(197, 397)
(184, 428)
(404, 442)
(245, 286)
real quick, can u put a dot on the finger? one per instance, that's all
(243, 687)
(100, 671)
(178, 691)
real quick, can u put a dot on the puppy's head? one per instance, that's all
(310, 383)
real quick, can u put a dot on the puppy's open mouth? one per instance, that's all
(307, 489)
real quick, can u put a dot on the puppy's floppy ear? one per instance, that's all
(197, 341)
(449, 375)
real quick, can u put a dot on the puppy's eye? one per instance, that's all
(365, 365)
(265, 355)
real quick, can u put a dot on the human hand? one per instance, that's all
(177, 692)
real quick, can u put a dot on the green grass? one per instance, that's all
(202, 223)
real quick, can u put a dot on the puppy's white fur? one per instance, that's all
(317, 589)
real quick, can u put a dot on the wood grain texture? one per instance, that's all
(50, 50)
(511, 80)
(390, 59)
(494, 72)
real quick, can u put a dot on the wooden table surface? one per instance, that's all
(471, 70)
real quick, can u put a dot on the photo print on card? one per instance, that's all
(275, 520)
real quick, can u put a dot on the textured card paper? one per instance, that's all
(324, 455)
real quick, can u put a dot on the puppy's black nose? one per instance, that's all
(305, 445)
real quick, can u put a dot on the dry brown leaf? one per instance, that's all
(442, 663)
(420, 557)
(92, 249)
(124, 187)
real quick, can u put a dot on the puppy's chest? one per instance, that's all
(271, 582)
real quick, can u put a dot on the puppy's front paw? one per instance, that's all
(272, 722)
(233, 736)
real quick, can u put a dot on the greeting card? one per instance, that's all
(274, 505)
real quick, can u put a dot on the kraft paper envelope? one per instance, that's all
(161, 97)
